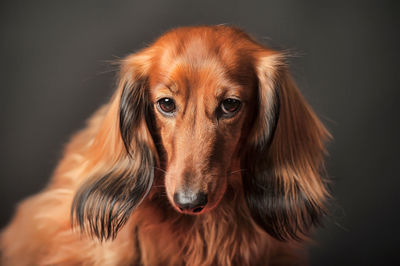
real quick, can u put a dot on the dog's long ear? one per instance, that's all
(121, 159)
(282, 180)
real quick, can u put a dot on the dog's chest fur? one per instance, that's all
(217, 238)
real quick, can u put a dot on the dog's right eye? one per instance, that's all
(229, 107)
(166, 106)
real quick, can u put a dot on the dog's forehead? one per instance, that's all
(194, 53)
(198, 46)
(202, 60)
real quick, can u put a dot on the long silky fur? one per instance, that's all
(282, 182)
(103, 204)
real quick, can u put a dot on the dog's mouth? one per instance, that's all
(196, 211)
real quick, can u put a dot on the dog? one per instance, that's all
(206, 154)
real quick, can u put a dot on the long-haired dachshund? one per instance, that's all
(207, 154)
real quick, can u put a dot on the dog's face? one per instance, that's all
(199, 104)
(200, 108)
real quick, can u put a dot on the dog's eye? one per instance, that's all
(166, 106)
(230, 107)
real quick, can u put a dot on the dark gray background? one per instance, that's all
(55, 73)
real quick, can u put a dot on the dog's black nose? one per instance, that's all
(189, 201)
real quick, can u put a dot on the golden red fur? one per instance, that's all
(207, 154)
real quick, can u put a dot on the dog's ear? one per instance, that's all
(121, 158)
(282, 179)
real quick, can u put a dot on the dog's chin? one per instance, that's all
(203, 211)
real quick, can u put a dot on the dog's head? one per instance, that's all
(199, 104)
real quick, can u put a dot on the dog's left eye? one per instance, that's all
(230, 107)
(166, 106)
